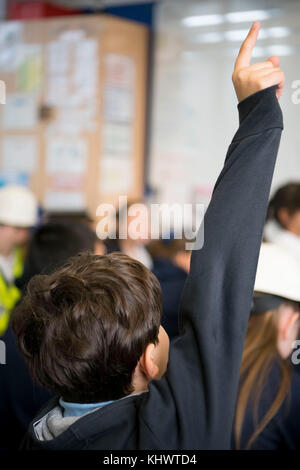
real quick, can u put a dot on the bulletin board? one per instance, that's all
(73, 123)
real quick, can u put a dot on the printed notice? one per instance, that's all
(64, 201)
(118, 104)
(19, 154)
(66, 156)
(120, 70)
(20, 111)
(10, 39)
(116, 175)
(117, 139)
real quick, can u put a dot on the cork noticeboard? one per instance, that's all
(74, 120)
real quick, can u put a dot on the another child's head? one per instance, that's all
(284, 207)
(53, 243)
(174, 250)
(90, 332)
(273, 328)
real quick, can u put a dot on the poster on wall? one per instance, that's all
(13, 177)
(117, 139)
(67, 181)
(116, 165)
(65, 155)
(64, 201)
(57, 69)
(120, 70)
(72, 70)
(84, 80)
(118, 104)
(119, 88)
(11, 34)
(116, 175)
(19, 154)
(20, 111)
(30, 69)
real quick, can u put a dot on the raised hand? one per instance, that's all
(249, 79)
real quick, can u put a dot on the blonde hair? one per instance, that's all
(260, 352)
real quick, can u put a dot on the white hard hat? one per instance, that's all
(18, 206)
(278, 273)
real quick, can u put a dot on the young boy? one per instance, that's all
(91, 331)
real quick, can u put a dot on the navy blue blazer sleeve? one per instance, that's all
(192, 407)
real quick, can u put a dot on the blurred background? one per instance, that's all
(132, 97)
(102, 99)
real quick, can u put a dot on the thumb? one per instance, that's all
(274, 60)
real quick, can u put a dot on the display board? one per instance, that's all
(73, 123)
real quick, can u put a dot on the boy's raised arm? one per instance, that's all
(193, 405)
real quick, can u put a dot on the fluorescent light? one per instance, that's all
(251, 15)
(264, 33)
(232, 17)
(210, 38)
(203, 20)
(278, 32)
(236, 35)
(279, 50)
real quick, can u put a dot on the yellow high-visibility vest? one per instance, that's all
(9, 293)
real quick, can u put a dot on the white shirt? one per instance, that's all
(274, 233)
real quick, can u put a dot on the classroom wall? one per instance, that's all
(73, 124)
(194, 108)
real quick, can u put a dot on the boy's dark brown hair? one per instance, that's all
(83, 328)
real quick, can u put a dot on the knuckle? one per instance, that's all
(262, 83)
(239, 75)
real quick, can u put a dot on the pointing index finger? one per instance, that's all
(245, 53)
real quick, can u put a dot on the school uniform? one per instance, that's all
(20, 397)
(192, 406)
(283, 431)
(172, 279)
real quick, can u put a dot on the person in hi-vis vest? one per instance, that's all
(18, 213)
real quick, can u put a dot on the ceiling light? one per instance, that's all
(279, 50)
(251, 15)
(232, 17)
(279, 32)
(264, 33)
(203, 20)
(236, 35)
(210, 38)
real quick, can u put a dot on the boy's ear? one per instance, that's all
(147, 363)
